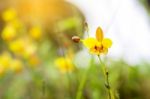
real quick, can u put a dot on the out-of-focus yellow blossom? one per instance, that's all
(64, 64)
(9, 33)
(35, 33)
(99, 44)
(17, 46)
(16, 24)
(23, 47)
(16, 65)
(9, 14)
(5, 59)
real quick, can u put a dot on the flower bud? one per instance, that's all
(76, 39)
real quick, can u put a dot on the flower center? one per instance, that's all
(98, 48)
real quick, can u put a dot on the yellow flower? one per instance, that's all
(35, 33)
(17, 46)
(9, 33)
(64, 64)
(5, 59)
(9, 15)
(16, 23)
(99, 44)
(7, 63)
(23, 47)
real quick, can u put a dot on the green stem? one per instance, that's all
(81, 85)
(106, 75)
(68, 76)
(69, 85)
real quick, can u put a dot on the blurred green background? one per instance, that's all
(38, 59)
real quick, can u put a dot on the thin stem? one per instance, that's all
(69, 84)
(106, 75)
(69, 81)
(81, 85)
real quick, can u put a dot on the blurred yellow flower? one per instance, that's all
(16, 65)
(23, 47)
(16, 23)
(64, 64)
(5, 59)
(8, 33)
(99, 45)
(8, 63)
(9, 14)
(17, 46)
(35, 33)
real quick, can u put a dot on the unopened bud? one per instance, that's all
(76, 39)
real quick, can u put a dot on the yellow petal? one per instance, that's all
(36, 33)
(9, 33)
(9, 15)
(99, 34)
(17, 46)
(105, 51)
(64, 64)
(107, 43)
(89, 42)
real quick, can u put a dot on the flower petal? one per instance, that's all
(105, 51)
(99, 34)
(89, 42)
(107, 43)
